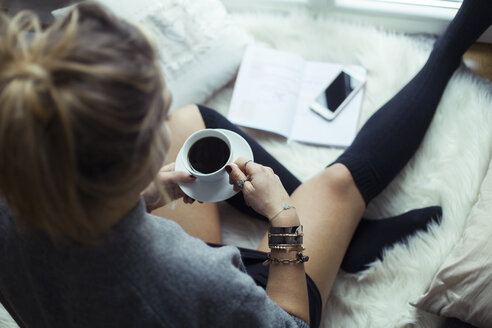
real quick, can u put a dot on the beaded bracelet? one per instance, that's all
(287, 247)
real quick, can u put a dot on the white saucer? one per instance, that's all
(219, 190)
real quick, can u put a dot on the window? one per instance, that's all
(411, 16)
(431, 3)
(436, 9)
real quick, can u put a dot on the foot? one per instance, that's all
(373, 236)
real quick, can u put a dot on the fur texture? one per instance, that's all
(447, 170)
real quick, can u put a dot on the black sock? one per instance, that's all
(392, 135)
(373, 236)
(456, 323)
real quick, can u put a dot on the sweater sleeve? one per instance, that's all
(258, 310)
(300, 322)
(204, 286)
(226, 296)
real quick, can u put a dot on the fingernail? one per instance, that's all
(228, 169)
(192, 176)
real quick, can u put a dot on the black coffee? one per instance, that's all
(208, 155)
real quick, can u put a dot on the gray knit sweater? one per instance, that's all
(147, 272)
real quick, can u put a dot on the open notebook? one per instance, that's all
(273, 91)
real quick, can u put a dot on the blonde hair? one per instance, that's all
(81, 106)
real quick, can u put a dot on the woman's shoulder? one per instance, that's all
(167, 246)
(162, 259)
(162, 247)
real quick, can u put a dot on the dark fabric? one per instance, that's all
(456, 323)
(393, 134)
(253, 261)
(373, 236)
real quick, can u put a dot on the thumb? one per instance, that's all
(180, 176)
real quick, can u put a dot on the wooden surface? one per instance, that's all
(479, 59)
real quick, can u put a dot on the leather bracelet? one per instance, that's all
(286, 235)
(298, 240)
(286, 230)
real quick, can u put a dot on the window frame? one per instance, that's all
(408, 16)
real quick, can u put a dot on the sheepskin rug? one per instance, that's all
(447, 170)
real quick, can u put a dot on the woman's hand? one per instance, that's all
(168, 179)
(262, 188)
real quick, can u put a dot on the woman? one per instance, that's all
(83, 132)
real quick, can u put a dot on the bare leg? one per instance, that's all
(330, 207)
(331, 204)
(199, 220)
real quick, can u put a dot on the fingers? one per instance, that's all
(180, 175)
(235, 175)
(240, 161)
(246, 165)
(167, 168)
(168, 175)
(188, 200)
(176, 177)
(169, 180)
(239, 180)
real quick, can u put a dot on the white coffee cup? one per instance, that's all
(209, 156)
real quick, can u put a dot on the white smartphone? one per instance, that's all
(330, 102)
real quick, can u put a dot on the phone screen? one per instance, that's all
(338, 91)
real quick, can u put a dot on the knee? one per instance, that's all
(188, 115)
(340, 181)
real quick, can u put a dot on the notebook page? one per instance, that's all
(266, 90)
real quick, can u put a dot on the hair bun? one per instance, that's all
(28, 70)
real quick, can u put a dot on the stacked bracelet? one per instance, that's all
(286, 236)
(286, 239)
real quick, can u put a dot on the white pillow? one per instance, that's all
(200, 46)
(462, 288)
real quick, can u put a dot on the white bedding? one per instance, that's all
(447, 170)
